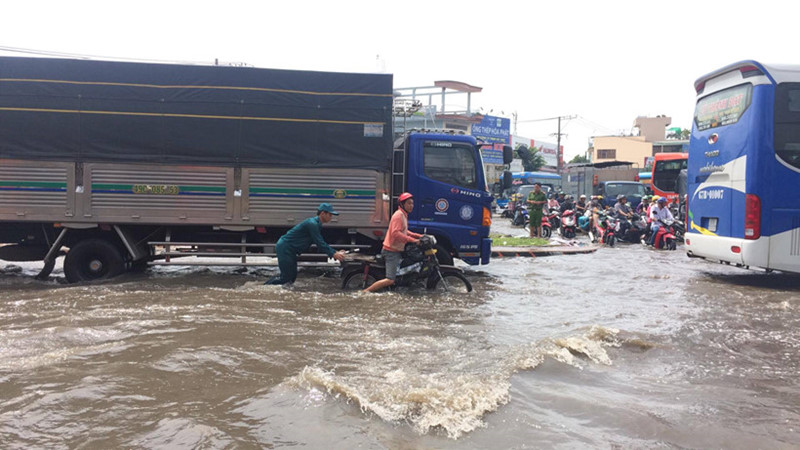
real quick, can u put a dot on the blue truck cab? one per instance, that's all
(452, 201)
(632, 190)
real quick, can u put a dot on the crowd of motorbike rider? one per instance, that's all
(640, 224)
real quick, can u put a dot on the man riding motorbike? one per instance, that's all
(658, 214)
(624, 212)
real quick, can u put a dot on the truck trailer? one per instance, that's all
(133, 164)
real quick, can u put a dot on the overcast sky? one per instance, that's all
(606, 62)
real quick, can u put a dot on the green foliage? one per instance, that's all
(532, 160)
(579, 159)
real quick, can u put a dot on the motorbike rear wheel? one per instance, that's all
(546, 232)
(456, 283)
(611, 241)
(356, 281)
(569, 233)
(670, 244)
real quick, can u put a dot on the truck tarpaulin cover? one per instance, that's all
(61, 109)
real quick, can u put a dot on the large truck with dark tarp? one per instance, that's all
(129, 164)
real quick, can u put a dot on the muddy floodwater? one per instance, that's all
(623, 348)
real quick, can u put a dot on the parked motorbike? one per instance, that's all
(520, 215)
(419, 265)
(569, 225)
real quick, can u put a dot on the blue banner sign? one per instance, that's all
(493, 129)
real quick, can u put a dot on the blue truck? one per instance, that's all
(125, 165)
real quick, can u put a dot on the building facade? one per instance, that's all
(636, 149)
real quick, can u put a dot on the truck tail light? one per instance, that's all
(752, 217)
(487, 217)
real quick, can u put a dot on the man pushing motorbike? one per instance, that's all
(299, 239)
(397, 237)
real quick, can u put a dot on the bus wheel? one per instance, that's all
(93, 259)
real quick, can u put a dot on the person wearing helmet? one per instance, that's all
(552, 201)
(396, 239)
(622, 208)
(580, 205)
(643, 206)
(660, 212)
(567, 204)
(299, 239)
(625, 213)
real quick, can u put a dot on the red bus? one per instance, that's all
(664, 179)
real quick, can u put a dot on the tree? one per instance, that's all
(579, 159)
(532, 160)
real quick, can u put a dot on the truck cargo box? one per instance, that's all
(115, 112)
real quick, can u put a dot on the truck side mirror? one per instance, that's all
(508, 154)
(506, 177)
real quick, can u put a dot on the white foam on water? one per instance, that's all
(451, 400)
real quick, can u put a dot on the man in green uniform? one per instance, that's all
(536, 199)
(299, 239)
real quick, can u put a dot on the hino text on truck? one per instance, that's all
(130, 164)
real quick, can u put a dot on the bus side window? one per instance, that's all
(787, 123)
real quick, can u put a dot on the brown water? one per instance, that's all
(625, 348)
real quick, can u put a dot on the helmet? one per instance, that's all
(621, 196)
(599, 197)
(583, 196)
(404, 196)
(662, 200)
(654, 198)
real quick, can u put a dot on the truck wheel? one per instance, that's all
(93, 259)
(444, 256)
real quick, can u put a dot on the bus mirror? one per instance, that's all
(507, 178)
(508, 154)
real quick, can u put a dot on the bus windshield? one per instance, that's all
(665, 174)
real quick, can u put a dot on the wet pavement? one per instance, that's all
(624, 348)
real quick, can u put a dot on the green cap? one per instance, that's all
(327, 207)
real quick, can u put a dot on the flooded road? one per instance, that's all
(624, 348)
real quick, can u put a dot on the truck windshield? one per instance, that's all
(450, 163)
(632, 189)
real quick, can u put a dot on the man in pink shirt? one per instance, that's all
(396, 239)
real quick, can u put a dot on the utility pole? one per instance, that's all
(558, 134)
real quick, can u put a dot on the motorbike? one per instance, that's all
(604, 230)
(553, 218)
(547, 227)
(520, 215)
(419, 265)
(679, 229)
(568, 224)
(665, 236)
(633, 230)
